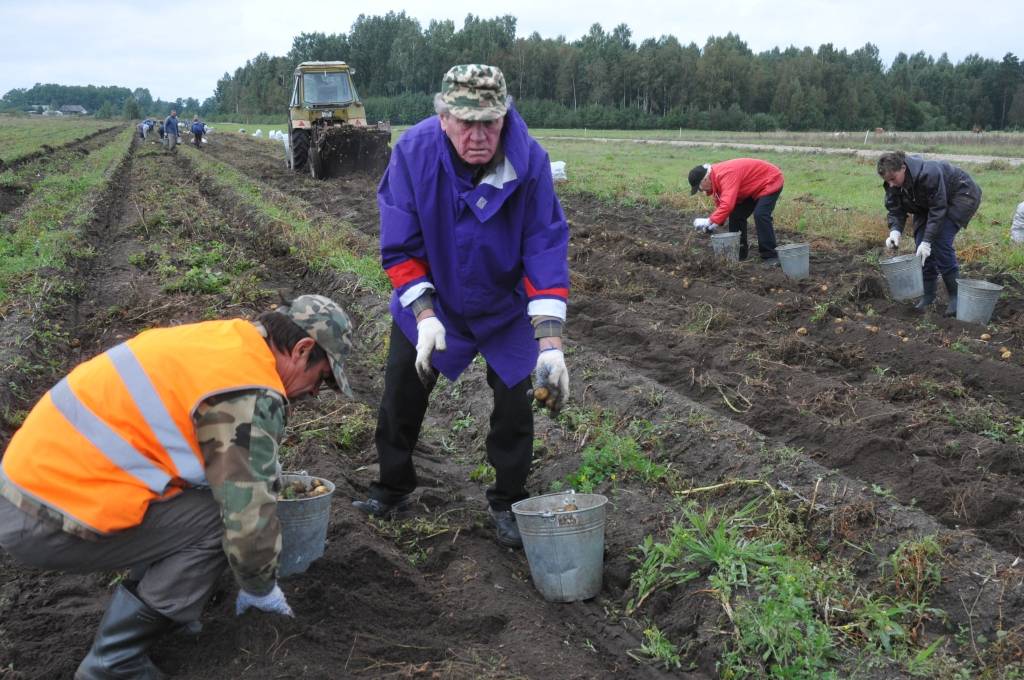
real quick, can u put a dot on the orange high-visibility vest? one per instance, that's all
(117, 434)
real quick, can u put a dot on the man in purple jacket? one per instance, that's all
(475, 243)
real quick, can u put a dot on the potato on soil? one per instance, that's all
(871, 329)
(686, 282)
(986, 337)
(1006, 355)
(541, 393)
(801, 331)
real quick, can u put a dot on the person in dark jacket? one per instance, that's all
(171, 130)
(943, 199)
(475, 243)
(198, 130)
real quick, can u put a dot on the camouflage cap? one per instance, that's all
(475, 92)
(326, 322)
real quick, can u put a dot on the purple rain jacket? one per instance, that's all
(495, 254)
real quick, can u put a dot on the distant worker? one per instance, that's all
(198, 130)
(1017, 225)
(171, 130)
(475, 243)
(141, 130)
(161, 455)
(943, 199)
(147, 125)
(741, 187)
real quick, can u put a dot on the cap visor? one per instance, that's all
(340, 379)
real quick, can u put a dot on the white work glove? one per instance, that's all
(894, 239)
(704, 225)
(429, 337)
(552, 374)
(272, 602)
(924, 251)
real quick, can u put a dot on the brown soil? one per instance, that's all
(893, 439)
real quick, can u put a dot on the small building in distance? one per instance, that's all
(73, 110)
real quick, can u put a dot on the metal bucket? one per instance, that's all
(795, 259)
(563, 536)
(903, 274)
(726, 245)
(303, 526)
(975, 300)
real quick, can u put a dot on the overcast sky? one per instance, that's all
(181, 48)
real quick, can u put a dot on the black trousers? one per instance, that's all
(403, 406)
(762, 209)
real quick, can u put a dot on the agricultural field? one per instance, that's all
(22, 138)
(806, 479)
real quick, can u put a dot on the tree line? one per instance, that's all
(100, 101)
(606, 79)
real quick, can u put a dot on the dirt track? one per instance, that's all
(893, 439)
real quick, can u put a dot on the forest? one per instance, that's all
(606, 79)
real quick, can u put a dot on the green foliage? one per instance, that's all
(483, 474)
(47, 231)
(611, 456)
(659, 649)
(603, 80)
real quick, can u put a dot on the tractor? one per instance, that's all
(327, 130)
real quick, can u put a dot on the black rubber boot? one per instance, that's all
(929, 295)
(949, 278)
(126, 631)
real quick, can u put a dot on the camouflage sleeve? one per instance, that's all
(239, 434)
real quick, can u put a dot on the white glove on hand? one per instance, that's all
(429, 337)
(272, 602)
(702, 224)
(924, 251)
(552, 373)
(894, 240)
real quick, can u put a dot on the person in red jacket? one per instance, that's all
(741, 187)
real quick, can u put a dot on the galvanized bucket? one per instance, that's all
(903, 274)
(563, 536)
(976, 300)
(726, 245)
(795, 259)
(303, 526)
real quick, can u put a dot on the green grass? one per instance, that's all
(46, 231)
(615, 452)
(22, 136)
(790, 613)
(323, 243)
(1005, 144)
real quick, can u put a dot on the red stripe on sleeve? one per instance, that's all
(404, 272)
(532, 292)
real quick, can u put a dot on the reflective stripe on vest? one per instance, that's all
(156, 415)
(113, 446)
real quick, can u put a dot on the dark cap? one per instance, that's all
(696, 176)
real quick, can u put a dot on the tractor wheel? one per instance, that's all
(316, 167)
(299, 149)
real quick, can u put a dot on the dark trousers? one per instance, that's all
(761, 208)
(509, 441)
(942, 261)
(177, 546)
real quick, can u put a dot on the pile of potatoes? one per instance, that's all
(300, 489)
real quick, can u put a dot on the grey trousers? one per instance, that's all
(178, 545)
(170, 141)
